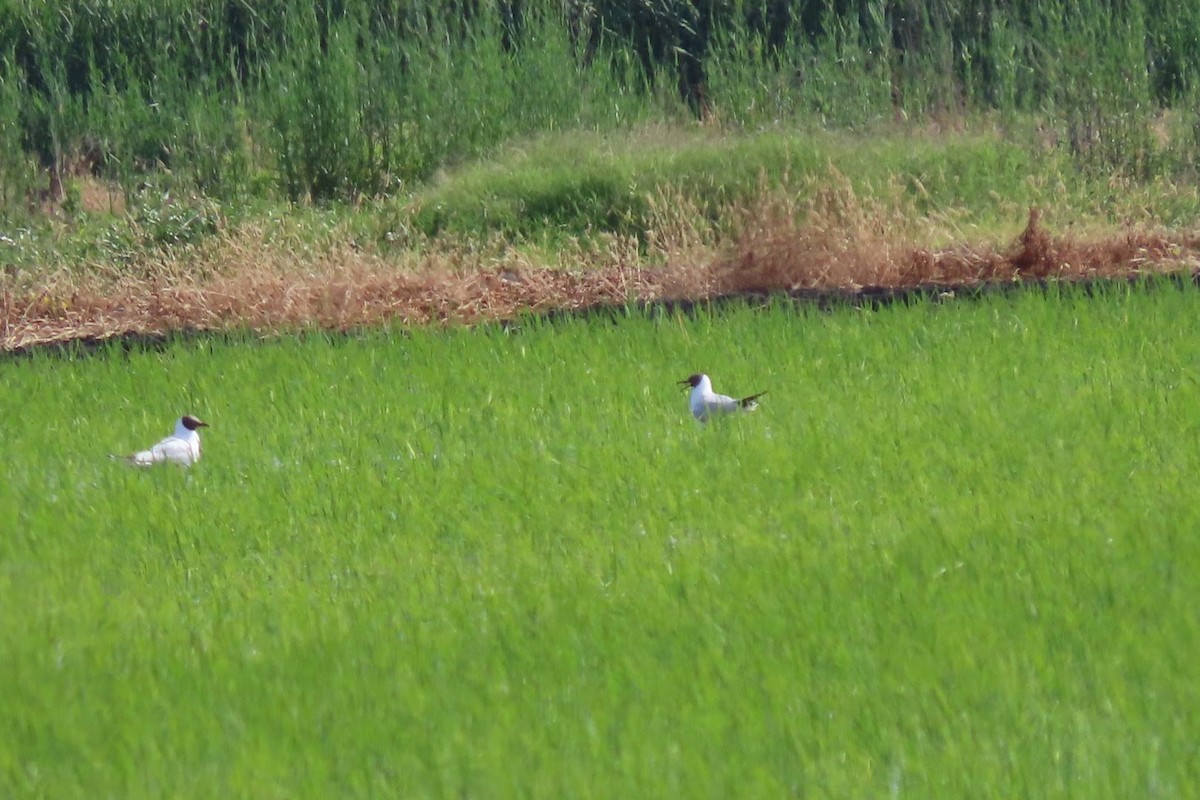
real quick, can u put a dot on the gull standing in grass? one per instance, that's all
(181, 447)
(706, 403)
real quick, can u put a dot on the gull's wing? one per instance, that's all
(721, 403)
(724, 404)
(171, 449)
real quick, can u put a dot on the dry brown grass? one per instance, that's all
(835, 241)
(845, 243)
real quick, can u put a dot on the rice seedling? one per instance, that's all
(947, 556)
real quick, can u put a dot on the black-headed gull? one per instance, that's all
(181, 447)
(705, 403)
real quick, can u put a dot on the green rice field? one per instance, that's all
(954, 554)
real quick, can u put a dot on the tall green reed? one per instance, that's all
(337, 100)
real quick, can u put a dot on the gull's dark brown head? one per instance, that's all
(191, 423)
(691, 380)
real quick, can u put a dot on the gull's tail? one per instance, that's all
(750, 403)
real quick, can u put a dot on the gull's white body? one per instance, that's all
(181, 447)
(705, 403)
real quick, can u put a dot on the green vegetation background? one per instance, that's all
(969, 574)
(299, 99)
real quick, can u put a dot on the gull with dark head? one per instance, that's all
(181, 447)
(706, 403)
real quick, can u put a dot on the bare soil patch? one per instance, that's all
(247, 281)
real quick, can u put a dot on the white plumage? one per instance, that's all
(706, 403)
(181, 447)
